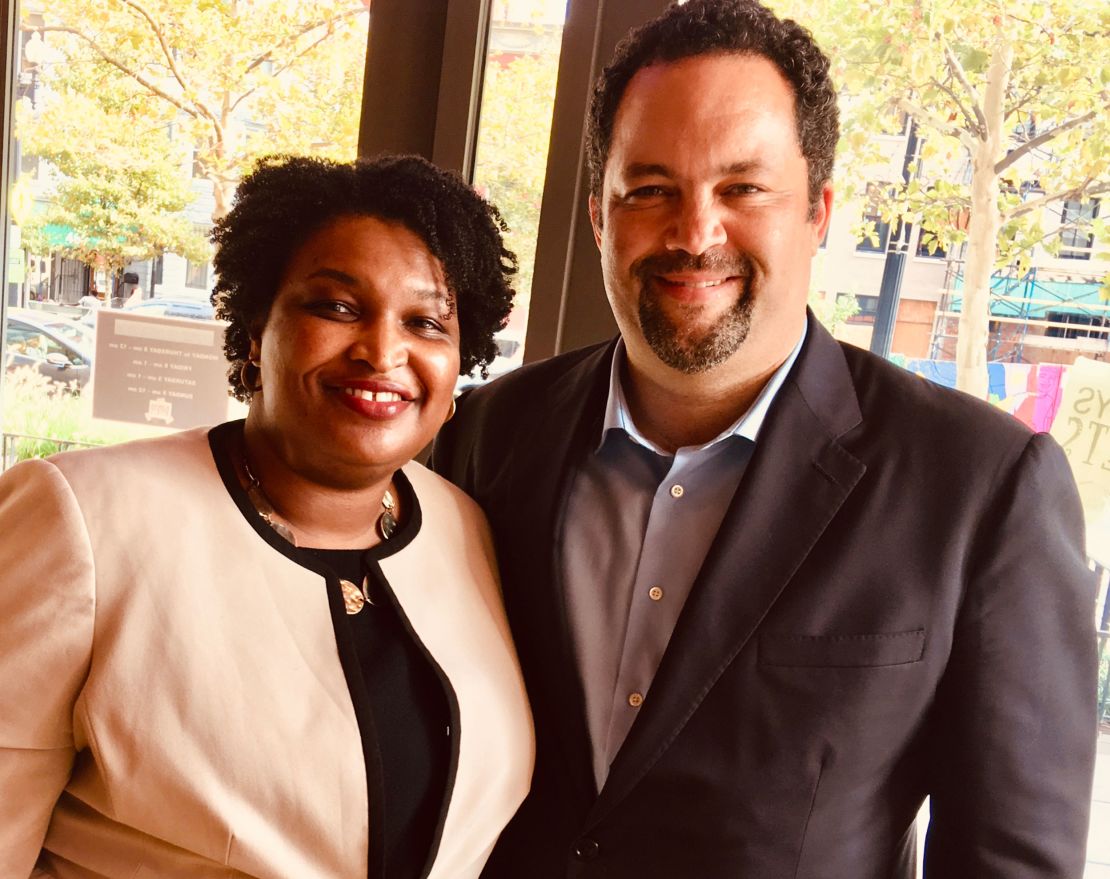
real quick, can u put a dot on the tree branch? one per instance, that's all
(941, 125)
(958, 71)
(167, 52)
(123, 68)
(1084, 190)
(293, 60)
(1043, 138)
(296, 35)
(971, 120)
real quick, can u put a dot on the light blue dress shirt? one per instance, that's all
(639, 524)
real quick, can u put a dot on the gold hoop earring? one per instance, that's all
(250, 376)
(450, 412)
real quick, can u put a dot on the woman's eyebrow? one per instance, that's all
(334, 274)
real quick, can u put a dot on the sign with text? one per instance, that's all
(159, 370)
(1082, 427)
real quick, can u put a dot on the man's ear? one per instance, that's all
(595, 219)
(822, 216)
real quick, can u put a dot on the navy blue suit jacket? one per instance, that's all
(897, 605)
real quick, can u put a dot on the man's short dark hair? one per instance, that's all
(724, 27)
(285, 200)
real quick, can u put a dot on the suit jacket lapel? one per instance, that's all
(544, 469)
(797, 479)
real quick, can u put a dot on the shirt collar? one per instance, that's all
(748, 425)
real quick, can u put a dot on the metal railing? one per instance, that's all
(1103, 617)
(17, 446)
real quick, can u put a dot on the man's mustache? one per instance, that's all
(675, 261)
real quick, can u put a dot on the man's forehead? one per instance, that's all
(723, 114)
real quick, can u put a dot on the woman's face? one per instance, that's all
(359, 355)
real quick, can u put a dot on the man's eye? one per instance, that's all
(643, 192)
(742, 189)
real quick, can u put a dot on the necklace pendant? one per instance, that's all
(387, 525)
(355, 599)
(281, 529)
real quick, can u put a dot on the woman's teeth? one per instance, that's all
(374, 396)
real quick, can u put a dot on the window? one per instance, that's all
(875, 242)
(1082, 324)
(1076, 242)
(868, 308)
(84, 214)
(929, 247)
(196, 274)
(518, 95)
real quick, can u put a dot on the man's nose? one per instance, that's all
(697, 226)
(381, 343)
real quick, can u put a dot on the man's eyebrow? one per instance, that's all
(744, 167)
(651, 169)
(646, 169)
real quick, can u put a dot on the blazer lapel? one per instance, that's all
(544, 465)
(795, 483)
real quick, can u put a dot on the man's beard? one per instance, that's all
(682, 347)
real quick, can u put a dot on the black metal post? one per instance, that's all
(898, 243)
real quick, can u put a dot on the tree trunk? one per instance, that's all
(983, 229)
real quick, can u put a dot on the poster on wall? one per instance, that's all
(1082, 427)
(168, 372)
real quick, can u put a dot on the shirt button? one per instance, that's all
(677, 491)
(655, 593)
(586, 849)
(635, 699)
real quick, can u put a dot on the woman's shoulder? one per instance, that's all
(433, 490)
(109, 471)
(144, 453)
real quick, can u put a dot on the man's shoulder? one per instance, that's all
(530, 386)
(547, 395)
(902, 404)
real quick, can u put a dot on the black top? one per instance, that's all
(401, 698)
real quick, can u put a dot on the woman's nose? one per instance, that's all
(381, 344)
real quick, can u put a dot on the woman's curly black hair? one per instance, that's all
(284, 200)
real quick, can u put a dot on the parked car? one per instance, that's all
(509, 357)
(29, 341)
(198, 309)
(81, 336)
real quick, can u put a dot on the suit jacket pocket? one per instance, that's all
(841, 651)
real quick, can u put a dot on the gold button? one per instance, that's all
(655, 593)
(677, 491)
(635, 700)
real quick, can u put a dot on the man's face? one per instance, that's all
(704, 221)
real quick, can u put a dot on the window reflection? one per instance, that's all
(518, 96)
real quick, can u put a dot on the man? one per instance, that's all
(769, 591)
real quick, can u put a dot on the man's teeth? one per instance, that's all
(700, 285)
(374, 396)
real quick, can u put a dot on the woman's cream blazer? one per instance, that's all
(171, 697)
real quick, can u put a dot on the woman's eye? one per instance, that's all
(334, 309)
(427, 324)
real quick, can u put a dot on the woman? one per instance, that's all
(276, 648)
